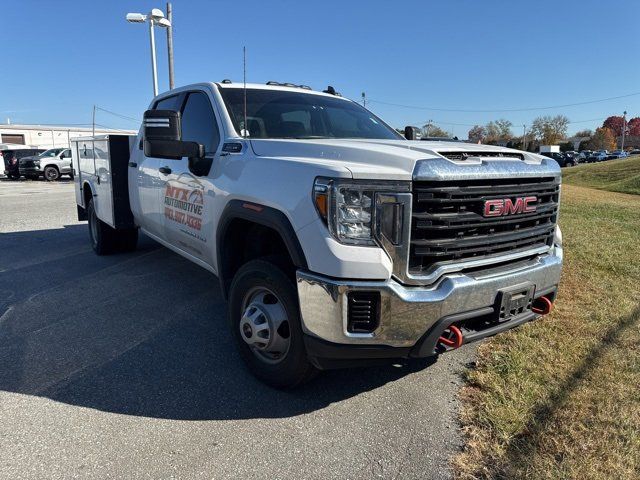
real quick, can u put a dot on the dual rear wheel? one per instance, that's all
(105, 239)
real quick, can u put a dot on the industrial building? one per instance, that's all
(48, 136)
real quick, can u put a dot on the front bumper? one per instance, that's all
(409, 313)
(30, 171)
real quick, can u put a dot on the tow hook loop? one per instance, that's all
(542, 306)
(451, 337)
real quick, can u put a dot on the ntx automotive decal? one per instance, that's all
(184, 204)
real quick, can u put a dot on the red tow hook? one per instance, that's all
(451, 337)
(542, 306)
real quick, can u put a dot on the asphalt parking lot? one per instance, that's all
(123, 366)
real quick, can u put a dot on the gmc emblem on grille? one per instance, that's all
(505, 206)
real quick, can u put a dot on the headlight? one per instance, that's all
(348, 207)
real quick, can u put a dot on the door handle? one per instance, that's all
(133, 164)
(165, 170)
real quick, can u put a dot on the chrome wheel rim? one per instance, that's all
(264, 325)
(51, 174)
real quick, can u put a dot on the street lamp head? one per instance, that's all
(163, 22)
(156, 14)
(136, 18)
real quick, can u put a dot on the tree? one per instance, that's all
(431, 130)
(584, 134)
(549, 130)
(498, 131)
(477, 134)
(566, 147)
(603, 139)
(633, 126)
(614, 123)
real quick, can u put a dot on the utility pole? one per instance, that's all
(170, 44)
(428, 127)
(93, 130)
(364, 100)
(524, 137)
(624, 128)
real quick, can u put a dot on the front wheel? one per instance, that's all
(265, 322)
(51, 174)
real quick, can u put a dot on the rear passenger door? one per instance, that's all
(187, 184)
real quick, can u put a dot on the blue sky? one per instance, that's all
(61, 57)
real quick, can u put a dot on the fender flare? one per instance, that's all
(262, 215)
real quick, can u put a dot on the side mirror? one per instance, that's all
(162, 137)
(410, 132)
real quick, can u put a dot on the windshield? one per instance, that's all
(284, 114)
(52, 152)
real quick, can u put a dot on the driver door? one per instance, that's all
(187, 186)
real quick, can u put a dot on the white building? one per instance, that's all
(48, 136)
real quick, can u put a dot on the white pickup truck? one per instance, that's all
(336, 240)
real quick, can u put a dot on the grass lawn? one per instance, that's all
(614, 175)
(560, 397)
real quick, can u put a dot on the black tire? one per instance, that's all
(51, 174)
(293, 367)
(101, 235)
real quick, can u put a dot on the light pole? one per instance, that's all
(170, 44)
(624, 128)
(155, 18)
(524, 137)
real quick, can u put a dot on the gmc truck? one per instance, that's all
(336, 240)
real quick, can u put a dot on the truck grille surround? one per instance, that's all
(448, 225)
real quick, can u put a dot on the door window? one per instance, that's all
(169, 103)
(199, 122)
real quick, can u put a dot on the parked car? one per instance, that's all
(562, 159)
(573, 155)
(584, 155)
(635, 151)
(51, 164)
(11, 158)
(599, 156)
(618, 154)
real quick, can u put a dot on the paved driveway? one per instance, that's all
(123, 366)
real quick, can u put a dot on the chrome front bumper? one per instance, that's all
(408, 312)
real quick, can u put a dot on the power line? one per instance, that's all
(506, 109)
(118, 114)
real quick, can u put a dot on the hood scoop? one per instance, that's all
(461, 155)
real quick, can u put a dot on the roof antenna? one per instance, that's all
(245, 129)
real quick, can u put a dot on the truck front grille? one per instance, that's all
(448, 224)
(27, 163)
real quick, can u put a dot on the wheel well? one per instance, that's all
(51, 165)
(245, 240)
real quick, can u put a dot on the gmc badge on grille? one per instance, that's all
(505, 206)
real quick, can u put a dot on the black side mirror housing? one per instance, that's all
(162, 137)
(409, 132)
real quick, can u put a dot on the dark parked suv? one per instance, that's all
(562, 159)
(12, 160)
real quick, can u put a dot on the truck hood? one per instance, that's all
(410, 160)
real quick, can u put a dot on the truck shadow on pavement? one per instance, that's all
(140, 334)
